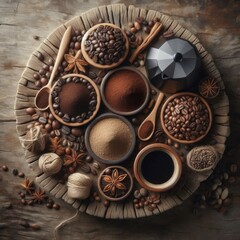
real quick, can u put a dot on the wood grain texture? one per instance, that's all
(215, 33)
(112, 13)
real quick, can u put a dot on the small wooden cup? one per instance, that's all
(76, 124)
(179, 95)
(171, 182)
(97, 65)
(117, 198)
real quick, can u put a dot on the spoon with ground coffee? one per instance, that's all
(41, 99)
(146, 129)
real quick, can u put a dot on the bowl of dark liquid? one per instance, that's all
(157, 167)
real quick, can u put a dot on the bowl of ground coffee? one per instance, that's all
(186, 117)
(105, 46)
(74, 100)
(157, 167)
(125, 91)
(110, 138)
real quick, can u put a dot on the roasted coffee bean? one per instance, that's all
(65, 130)
(77, 132)
(36, 76)
(21, 175)
(42, 120)
(30, 111)
(71, 138)
(15, 172)
(40, 56)
(89, 159)
(56, 206)
(56, 124)
(5, 168)
(66, 118)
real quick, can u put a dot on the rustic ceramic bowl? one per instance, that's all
(88, 145)
(177, 171)
(105, 80)
(179, 95)
(76, 124)
(115, 178)
(97, 65)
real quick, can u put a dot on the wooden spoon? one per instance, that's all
(146, 129)
(41, 99)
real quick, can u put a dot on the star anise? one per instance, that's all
(39, 196)
(74, 159)
(209, 88)
(56, 146)
(27, 185)
(75, 63)
(114, 182)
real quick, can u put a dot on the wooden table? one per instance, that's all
(217, 27)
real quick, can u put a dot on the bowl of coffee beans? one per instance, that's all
(186, 117)
(105, 46)
(74, 100)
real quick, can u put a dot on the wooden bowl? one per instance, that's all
(88, 145)
(177, 167)
(76, 124)
(179, 95)
(130, 183)
(103, 85)
(97, 65)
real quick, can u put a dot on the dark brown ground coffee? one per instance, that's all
(125, 91)
(74, 99)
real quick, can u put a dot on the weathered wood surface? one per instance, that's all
(27, 91)
(220, 37)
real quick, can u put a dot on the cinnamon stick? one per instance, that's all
(153, 33)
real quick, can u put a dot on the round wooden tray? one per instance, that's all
(120, 15)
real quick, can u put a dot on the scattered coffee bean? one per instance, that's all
(135, 121)
(65, 130)
(49, 205)
(42, 120)
(137, 25)
(5, 168)
(21, 175)
(56, 206)
(233, 168)
(89, 159)
(30, 111)
(77, 132)
(106, 203)
(143, 192)
(35, 37)
(224, 194)
(40, 56)
(23, 201)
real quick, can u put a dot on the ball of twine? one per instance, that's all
(79, 186)
(50, 163)
(35, 140)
